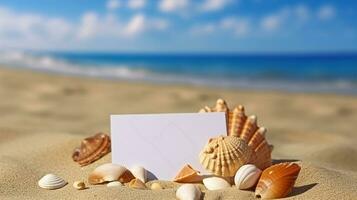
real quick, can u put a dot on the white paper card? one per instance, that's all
(163, 143)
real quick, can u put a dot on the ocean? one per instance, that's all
(323, 73)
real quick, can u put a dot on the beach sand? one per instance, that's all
(44, 117)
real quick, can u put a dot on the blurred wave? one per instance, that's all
(291, 73)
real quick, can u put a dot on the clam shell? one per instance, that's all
(110, 172)
(51, 182)
(277, 181)
(114, 184)
(215, 183)
(188, 192)
(224, 155)
(247, 176)
(137, 184)
(246, 128)
(188, 175)
(139, 173)
(91, 149)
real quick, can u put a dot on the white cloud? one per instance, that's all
(213, 5)
(203, 29)
(89, 25)
(135, 25)
(271, 23)
(113, 4)
(172, 5)
(302, 12)
(240, 26)
(136, 4)
(326, 12)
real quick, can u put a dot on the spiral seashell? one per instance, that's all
(247, 129)
(188, 175)
(247, 176)
(277, 181)
(215, 183)
(91, 149)
(51, 182)
(137, 184)
(139, 173)
(110, 172)
(188, 192)
(224, 155)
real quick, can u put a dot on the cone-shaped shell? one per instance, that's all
(215, 183)
(91, 149)
(51, 182)
(224, 155)
(139, 173)
(137, 184)
(188, 192)
(277, 181)
(247, 176)
(246, 128)
(188, 175)
(110, 172)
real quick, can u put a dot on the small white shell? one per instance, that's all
(51, 182)
(79, 185)
(188, 192)
(247, 176)
(215, 183)
(114, 184)
(139, 173)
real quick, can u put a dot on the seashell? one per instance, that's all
(188, 175)
(91, 149)
(224, 155)
(139, 173)
(277, 181)
(215, 183)
(247, 176)
(79, 185)
(188, 192)
(114, 184)
(137, 184)
(156, 186)
(110, 172)
(247, 129)
(51, 182)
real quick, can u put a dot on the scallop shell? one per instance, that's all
(51, 182)
(277, 181)
(247, 129)
(224, 155)
(137, 184)
(215, 183)
(110, 172)
(188, 175)
(247, 176)
(91, 149)
(188, 192)
(139, 173)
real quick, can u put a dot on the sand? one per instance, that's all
(45, 116)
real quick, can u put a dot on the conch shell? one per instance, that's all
(247, 176)
(188, 175)
(91, 149)
(139, 173)
(137, 184)
(277, 181)
(188, 192)
(110, 172)
(51, 182)
(246, 129)
(216, 183)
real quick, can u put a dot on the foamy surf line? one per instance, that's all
(53, 64)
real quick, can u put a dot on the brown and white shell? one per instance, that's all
(91, 149)
(188, 175)
(277, 181)
(110, 172)
(247, 129)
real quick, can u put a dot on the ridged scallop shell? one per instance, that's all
(91, 149)
(215, 183)
(247, 129)
(277, 181)
(110, 172)
(139, 173)
(188, 192)
(247, 176)
(51, 182)
(188, 175)
(137, 184)
(224, 155)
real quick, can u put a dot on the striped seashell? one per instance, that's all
(247, 176)
(51, 182)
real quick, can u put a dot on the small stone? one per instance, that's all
(79, 185)
(156, 186)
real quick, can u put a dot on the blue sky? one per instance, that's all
(179, 25)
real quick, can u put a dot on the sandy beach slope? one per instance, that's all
(44, 116)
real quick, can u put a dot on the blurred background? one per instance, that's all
(295, 45)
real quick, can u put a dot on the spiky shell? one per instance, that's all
(51, 182)
(247, 129)
(188, 175)
(277, 181)
(110, 172)
(224, 155)
(91, 149)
